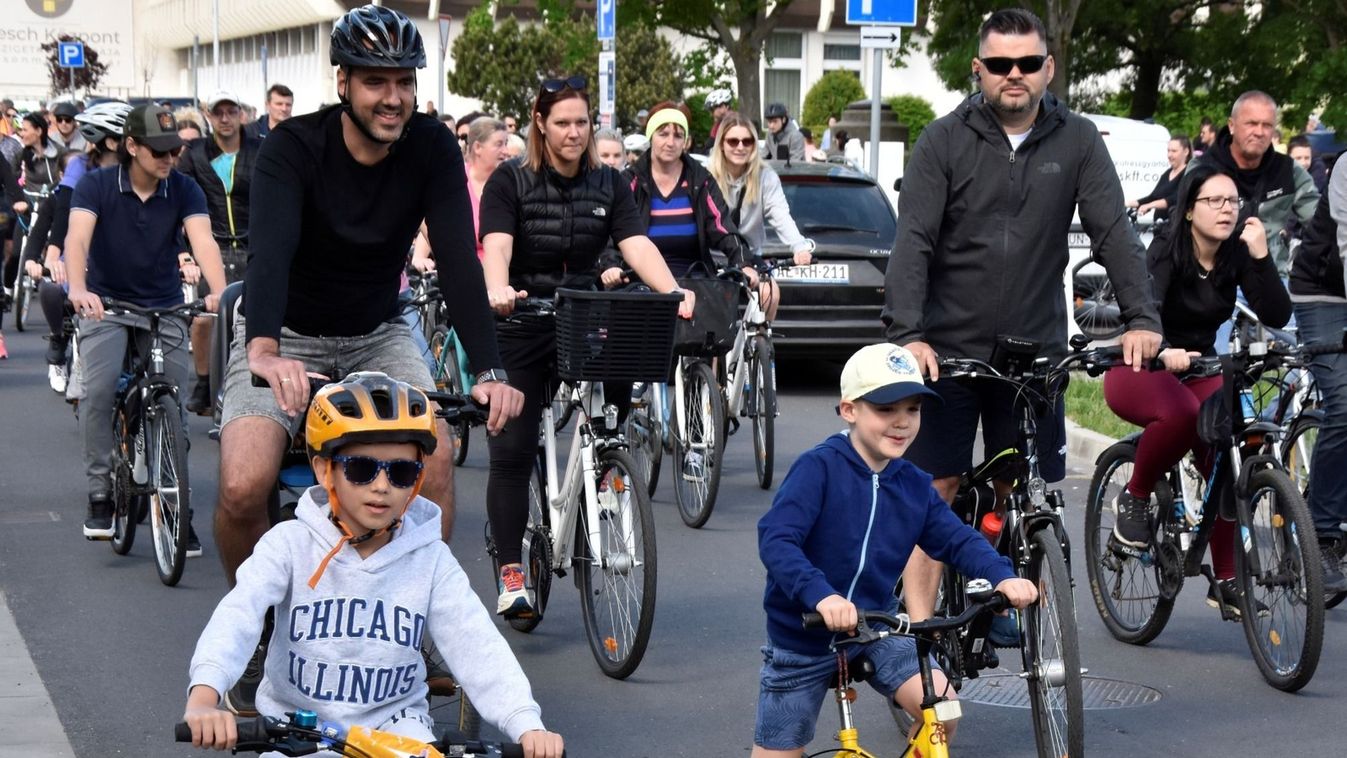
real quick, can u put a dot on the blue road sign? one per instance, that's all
(876, 12)
(607, 19)
(70, 54)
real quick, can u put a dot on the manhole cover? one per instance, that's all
(1010, 691)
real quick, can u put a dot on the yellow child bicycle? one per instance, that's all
(931, 740)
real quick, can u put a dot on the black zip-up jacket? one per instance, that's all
(982, 233)
(228, 210)
(721, 245)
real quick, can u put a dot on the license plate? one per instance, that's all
(817, 273)
(1078, 239)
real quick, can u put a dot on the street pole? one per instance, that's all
(265, 81)
(216, 51)
(196, 67)
(875, 93)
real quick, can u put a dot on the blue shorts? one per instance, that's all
(793, 687)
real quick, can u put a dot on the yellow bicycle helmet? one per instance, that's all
(368, 406)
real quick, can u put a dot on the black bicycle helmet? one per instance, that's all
(377, 37)
(776, 110)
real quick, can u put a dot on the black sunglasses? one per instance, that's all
(362, 469)
(160, 154)
(1029, 64)
(65, 119)
(553, 86)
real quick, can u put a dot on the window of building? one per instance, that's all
(782, 86)
(833, 52)
(310, 35)
(784, 45)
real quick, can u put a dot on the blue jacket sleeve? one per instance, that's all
(782, 532)
(949, 540)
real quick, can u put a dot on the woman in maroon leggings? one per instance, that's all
(1195, 270)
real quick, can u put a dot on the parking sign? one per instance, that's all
(70, 54)
(876, 12)
(607, 19)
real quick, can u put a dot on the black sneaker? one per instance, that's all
(1230, 599)
(1131, 525)
(193, 542)
(1330, 554)
(199, 403)
(241, 699)
(99, 524)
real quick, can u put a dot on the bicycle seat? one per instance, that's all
(859, 669)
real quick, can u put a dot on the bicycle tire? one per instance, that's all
(1281, 533)
(1297, 450)
(643, 439)
(537, 554)
(462, 430)
(763, 379)
(1126, 590)
(125, 513)
(562, 407)
(23, 298)
(1096, 310)
(695, 488)
(170, 506)
(608, 571)
(447, 379)
(1052, 652)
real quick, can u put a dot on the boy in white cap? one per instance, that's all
(837, 538)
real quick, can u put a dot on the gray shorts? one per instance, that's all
(389, 349)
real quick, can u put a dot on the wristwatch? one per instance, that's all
(493, 375)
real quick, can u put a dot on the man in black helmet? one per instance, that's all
(337, 198)
(783, 138)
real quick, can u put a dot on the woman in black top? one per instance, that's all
(1195, 270)
(1166, 188)
(544, 222)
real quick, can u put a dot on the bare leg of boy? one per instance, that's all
(909, 697)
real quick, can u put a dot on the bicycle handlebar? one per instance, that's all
(904, 626)
(194, 308)
(457, 409)
(263, 734)
(1093, 362)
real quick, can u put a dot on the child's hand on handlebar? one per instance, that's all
(540, 743)
(838, 613)
(1020, 592)
(211, 726)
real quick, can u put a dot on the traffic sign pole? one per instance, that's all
(879, 14)
(878, 73)
(605, 21)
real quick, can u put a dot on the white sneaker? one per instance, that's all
(56, 377)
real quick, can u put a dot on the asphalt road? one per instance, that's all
(112, 644)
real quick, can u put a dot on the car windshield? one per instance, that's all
(857, 211)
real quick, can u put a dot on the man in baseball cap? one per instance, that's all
(222, 96)
(67, 135)
(154, 126)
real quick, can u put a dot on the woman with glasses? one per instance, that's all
(753, 191)
(544, 222)
(1195, 270)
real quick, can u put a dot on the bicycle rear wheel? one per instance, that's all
(23, 298)
(1298, 450)
(170, 507)
(697, 451)
(1277, 566)
(1126, 590)
(763, 407)
(643, 436)
(537, 554)
(1052, 653)
(444, 349)
(1096, 305)
(124, 504)
(616, 574)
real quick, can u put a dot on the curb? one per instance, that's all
(1085, 445)
(27, 716)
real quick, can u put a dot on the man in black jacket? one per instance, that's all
(984, 214)
(222, 164)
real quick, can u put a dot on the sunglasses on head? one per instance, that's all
(362, 469)
(1029, 64)
(553, 86)
(740, 142)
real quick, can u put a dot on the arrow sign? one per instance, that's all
(880, 37)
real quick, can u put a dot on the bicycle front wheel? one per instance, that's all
(537, 554)
(1052, 653)
(170, 509)
(1281, 582)
(643, 435)
(1126, 589)
(698, 447)
(616, 573)
(763, 407)
(23, 298)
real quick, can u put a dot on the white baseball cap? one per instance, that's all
(882, 374)
(222, 96)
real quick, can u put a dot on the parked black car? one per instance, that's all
(831, 308)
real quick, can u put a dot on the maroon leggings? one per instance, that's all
(1166, 409)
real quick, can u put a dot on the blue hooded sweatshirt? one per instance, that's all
(837, 527)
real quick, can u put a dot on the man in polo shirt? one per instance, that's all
(123, 225)
(222, 165)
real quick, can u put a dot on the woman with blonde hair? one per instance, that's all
(753, 193)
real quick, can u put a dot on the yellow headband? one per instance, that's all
(665, 116)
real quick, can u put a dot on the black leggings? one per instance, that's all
(55, 308)
(528, 354)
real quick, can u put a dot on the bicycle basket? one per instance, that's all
(615, 336)
(712, 328)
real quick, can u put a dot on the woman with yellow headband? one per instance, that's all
(684, 211)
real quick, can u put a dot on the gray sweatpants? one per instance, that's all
(103, 349)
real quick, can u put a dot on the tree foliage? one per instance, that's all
(829, 96)
(86, 78)
(914, 112)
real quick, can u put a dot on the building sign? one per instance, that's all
(104, 26)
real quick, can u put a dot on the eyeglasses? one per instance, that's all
(65, 120)
(1029, 64)
(362, 469)
(740, 142)
(1217, 202)
(161, 154)
(553, 86)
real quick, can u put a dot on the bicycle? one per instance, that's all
(595, 517)
(149, 460)
(25, 286)
(1095, 303)
(1033, 537)
(1276, 568)
(301, 733)
(931, 739)
(450, 370)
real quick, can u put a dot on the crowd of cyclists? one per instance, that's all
(322, 215)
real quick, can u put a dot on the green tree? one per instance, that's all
(914, 112)
(829, 96)
(86, 78)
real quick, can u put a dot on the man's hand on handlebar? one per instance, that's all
(541, 744)
(1139, 346)
(505, 403)
(502, 300)
(287, 377)
(1020, 592)
(927, 360)
(211, 726)
(86, 304)
(838, 613)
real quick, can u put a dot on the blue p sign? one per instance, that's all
(71, 54)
